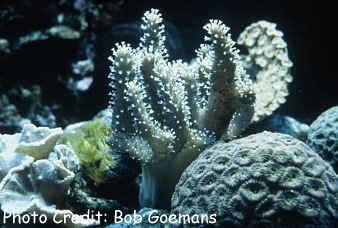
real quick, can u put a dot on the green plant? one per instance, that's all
(88, 143)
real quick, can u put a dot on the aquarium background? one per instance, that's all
(310, 33)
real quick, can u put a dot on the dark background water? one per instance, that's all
(309, 31)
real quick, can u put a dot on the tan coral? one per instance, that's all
(269, 65)
(11, 163)
(37, 142)
(37, 187)
(41, 182)
(8, 143)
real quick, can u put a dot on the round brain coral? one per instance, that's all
(267, 179)
(323, 136)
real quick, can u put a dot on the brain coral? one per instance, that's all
(266, 179)
(323, 136)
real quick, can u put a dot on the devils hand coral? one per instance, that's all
(164, 113)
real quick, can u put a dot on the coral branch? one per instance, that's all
(165, 113)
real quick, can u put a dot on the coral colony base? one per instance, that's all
(165, 113)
